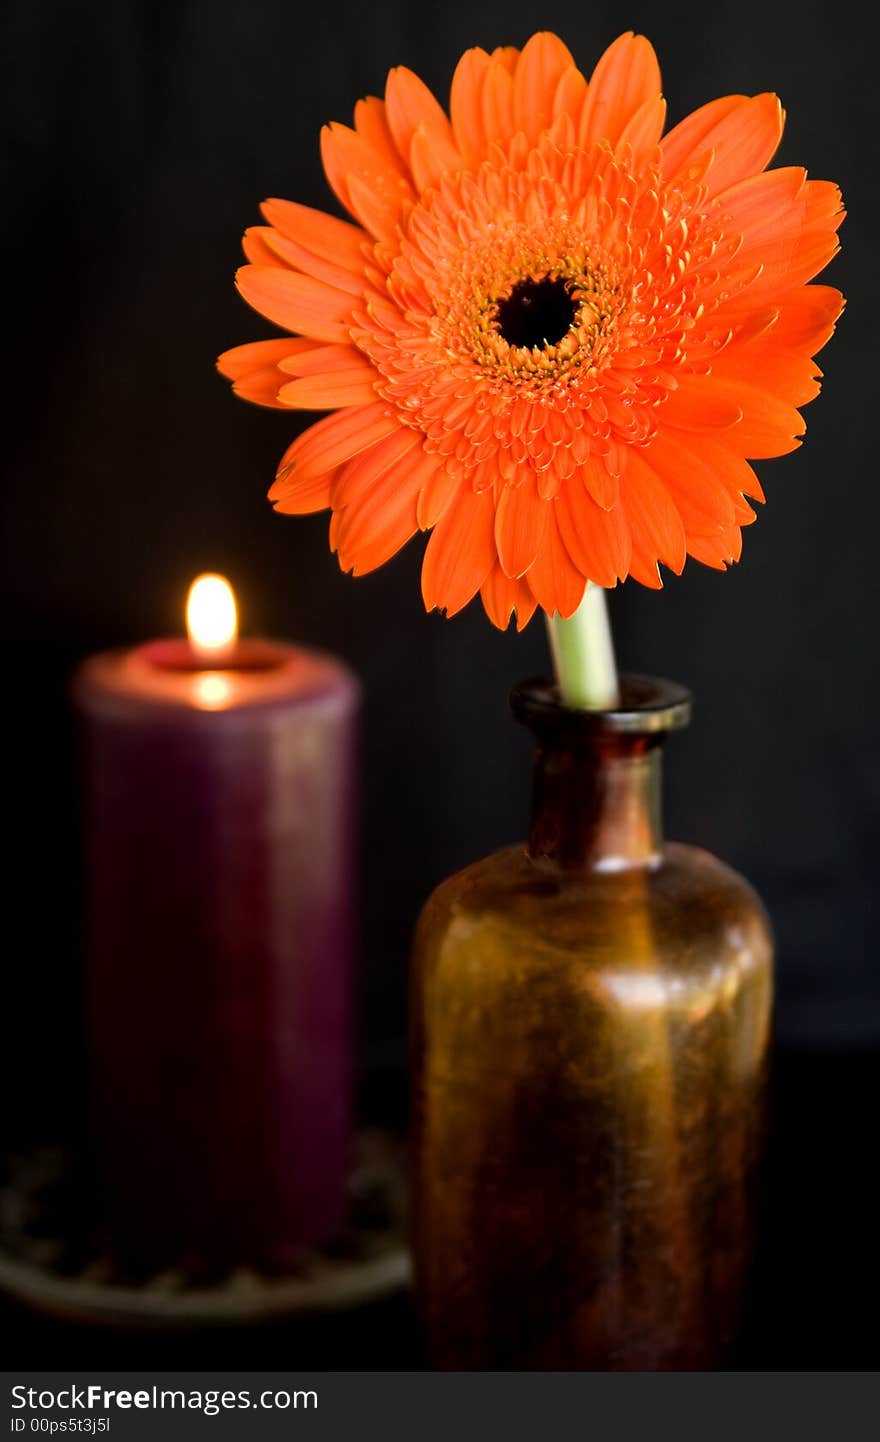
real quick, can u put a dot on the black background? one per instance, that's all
(143, 136)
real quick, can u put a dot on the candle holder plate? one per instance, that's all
(52, 1261)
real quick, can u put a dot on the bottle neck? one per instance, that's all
(596, 803)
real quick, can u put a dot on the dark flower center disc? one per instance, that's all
(537, 313)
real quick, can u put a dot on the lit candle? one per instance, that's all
(219, 798)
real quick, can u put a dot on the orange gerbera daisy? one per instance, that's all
(552, 338)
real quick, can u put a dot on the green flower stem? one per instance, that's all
(583, 654)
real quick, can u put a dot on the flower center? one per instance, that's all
(536, 313)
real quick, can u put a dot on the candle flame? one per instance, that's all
(211, 615)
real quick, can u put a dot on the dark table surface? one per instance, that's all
(815, 1288)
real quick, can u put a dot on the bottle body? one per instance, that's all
(588, 1047)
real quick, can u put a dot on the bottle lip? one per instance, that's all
(648, 705)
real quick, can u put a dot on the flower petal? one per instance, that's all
(571, 96)
(541, 64)
(409, 105)
(658, 533)
(382, 212)
(371, 123)
(328, 391)
(807, 317)
(375, 524)
(507, 57)
(598, 541)
(697, 405)
(789, 232)
(769, 427)
(642, 132)
(261, 388)
(253, 243)
(520, 518)
(497, 104)
(289, 252)
(466, 105)
(700, 497)
(296, 302)
(335, 240)
(602, 486)
(361, 177)
(439, 489)
(689, 141)
(320, 359)
(254, 368)
(626, 77)
(501, 596)
(718, 550)
(321, 449)
(242, 360)
(301, 495)
(734, 473)
(460, 553)
(743, 132)
(790, 376)
(432, 157)
(360, 473)
(553, 578)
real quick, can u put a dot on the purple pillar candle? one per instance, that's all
(219, 801)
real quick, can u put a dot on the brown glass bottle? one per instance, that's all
(590, 1019)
